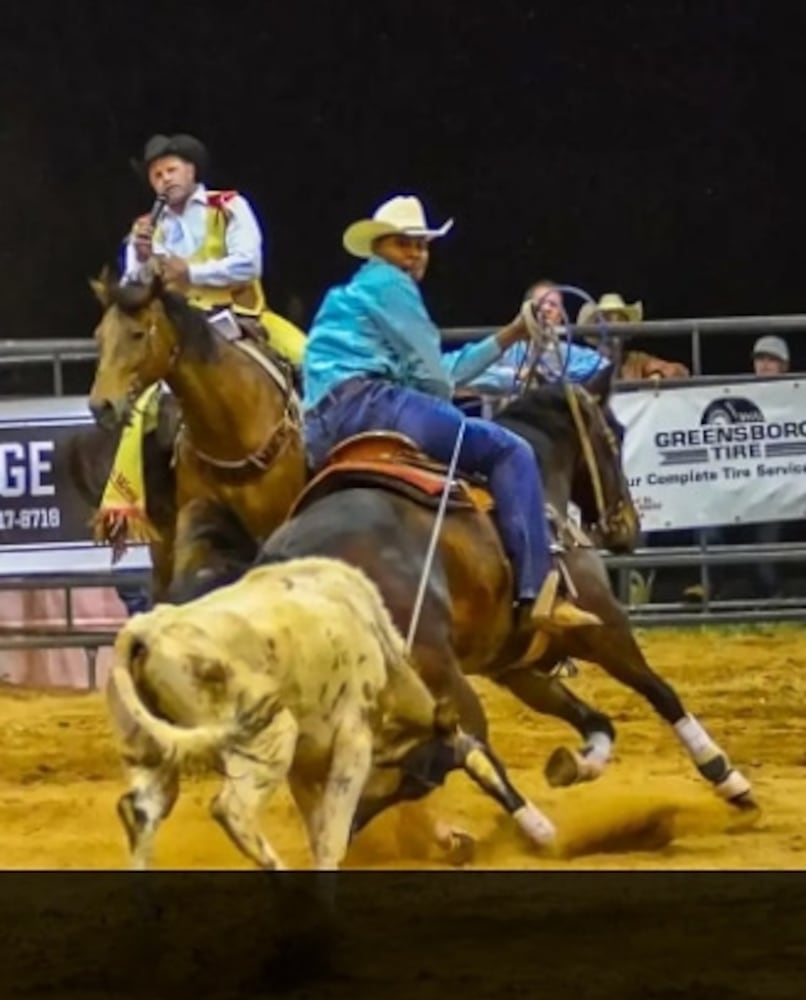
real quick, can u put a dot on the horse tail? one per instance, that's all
(128, 693)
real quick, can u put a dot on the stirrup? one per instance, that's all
(556, 615)
(547, 597)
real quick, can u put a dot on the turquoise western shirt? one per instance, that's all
(377, 324)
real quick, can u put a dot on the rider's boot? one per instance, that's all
(555, 615)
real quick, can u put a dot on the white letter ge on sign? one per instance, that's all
(40, 464)
(25, 470)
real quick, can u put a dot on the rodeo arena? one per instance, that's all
(235, 634)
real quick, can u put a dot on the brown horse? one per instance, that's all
(370, 513)
(239, 447)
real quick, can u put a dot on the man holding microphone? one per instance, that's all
(208, 243)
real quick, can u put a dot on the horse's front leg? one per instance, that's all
(441, 671)
(618, 653)
(162, 563)
(548, 695)
(211, 548)
(614, 648)
(439, 668)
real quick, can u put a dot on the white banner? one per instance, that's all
(711, 455)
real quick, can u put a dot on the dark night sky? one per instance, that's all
(649, 148)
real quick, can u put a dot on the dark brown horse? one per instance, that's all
(384, 527)
(239, 447)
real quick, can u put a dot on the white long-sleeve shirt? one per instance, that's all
(183, 234)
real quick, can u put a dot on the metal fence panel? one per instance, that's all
(59, 352)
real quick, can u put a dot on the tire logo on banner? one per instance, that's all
(703, 456)
(730, 430)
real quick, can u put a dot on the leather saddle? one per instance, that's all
(393, 461)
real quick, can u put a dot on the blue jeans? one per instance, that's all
(504, 458)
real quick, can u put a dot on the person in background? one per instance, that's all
(575, 361)
(635, 365)
(209, 245)
(770, 358)
(133, 597)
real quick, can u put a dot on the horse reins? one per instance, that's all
(587, 450)
(541, 337)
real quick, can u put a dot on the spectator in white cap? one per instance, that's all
(770, 356)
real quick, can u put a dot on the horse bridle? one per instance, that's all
(609, 518)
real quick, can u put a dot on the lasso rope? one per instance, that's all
(432, 544)
(544, 338)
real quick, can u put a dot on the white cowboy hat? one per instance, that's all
(401, 214)
(610, 302)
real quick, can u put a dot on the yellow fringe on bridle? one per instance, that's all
(121, 518)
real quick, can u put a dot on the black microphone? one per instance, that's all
(157, 209)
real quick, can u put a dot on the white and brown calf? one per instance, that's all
(296, 672)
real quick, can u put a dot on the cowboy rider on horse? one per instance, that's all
(373, 361)
(208, 243)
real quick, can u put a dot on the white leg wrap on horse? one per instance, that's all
(735, 784)
(535, 825)
(590, 768)
(696, 740)
(598, 750)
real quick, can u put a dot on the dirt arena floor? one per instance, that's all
(60, 777)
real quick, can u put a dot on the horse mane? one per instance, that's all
(194, 333)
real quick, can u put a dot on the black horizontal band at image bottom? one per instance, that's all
(406, 934)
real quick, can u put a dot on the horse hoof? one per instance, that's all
(736, 790)
(563, 768)
(744, 802)
(537, 827)
(459, 847)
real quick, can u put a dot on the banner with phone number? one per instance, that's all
(39, 505)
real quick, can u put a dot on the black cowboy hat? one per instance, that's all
(186, 147)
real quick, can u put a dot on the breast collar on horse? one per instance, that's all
(279, 435)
